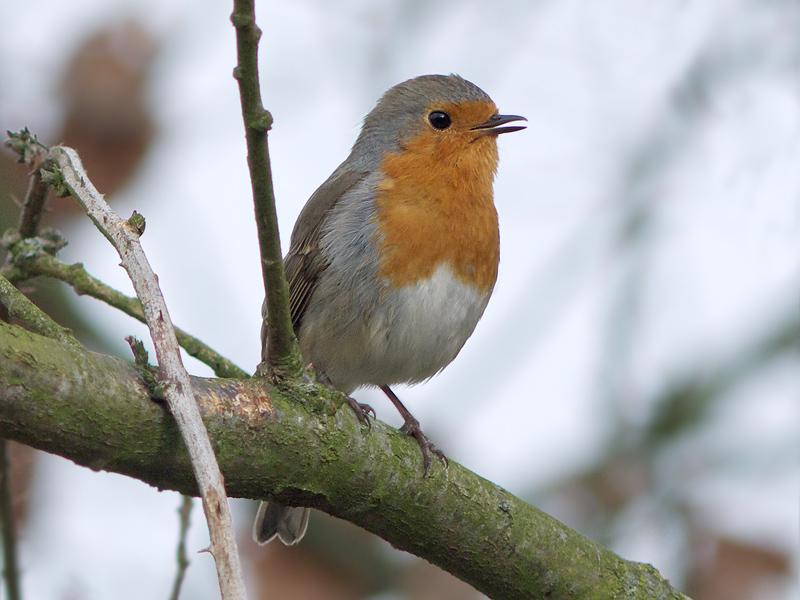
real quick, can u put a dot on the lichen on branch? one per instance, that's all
(302, 445)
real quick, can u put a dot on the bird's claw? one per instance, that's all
(363, 411)
(411, 427)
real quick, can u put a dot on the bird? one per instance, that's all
(394, 257)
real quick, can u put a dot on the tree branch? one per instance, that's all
(284, 352)
(124, 236)
(303, 446)
(184, 511)
(27, 265)
(31, 152)
(19, 307)
(33, 207)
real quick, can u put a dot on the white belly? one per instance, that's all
(407, 336)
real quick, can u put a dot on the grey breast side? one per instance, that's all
(335, 326)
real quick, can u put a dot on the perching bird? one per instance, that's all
(393, 258)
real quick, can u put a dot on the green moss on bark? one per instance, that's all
(302, 450)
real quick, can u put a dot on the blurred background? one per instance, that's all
(636, 372)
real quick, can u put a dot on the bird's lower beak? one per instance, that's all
(492, 126)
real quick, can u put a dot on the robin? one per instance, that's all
(393, 258)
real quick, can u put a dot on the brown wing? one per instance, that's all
(304, 261)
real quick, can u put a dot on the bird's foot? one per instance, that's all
(411, 427)
(363, 411)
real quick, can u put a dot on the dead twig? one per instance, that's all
(184, 511)
(124, 236)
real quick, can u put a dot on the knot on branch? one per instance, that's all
(261, 121)
(246, 22)
(241, 20)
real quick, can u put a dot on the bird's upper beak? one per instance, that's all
(492, 125)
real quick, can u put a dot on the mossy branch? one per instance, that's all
(284, 352)
(17, 306)
(303, 446)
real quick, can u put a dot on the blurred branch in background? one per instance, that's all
(627, 468)
(184, 512)
(688, 401)
(10, 562)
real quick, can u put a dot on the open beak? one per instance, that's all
(492, 126)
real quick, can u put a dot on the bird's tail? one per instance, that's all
(289, 523)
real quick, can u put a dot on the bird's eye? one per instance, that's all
(439, 119)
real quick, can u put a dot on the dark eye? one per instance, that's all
(439, 119)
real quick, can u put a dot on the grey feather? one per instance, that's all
(402, 111)
(304, 262)
(287, 523)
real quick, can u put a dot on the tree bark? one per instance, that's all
(303, 446)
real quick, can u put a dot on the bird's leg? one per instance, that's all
(412, 428)
(363, 411)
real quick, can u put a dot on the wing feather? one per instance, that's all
(304, 262)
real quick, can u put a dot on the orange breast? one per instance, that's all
(435, 206)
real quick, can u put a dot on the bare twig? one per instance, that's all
(284, 353)
(124, 236)
(184, 510)
(10, 569)
(31, 152)
(83, 283)
(33, 207)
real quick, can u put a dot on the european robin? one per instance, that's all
(393, 259)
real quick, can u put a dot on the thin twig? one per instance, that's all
(10, 569)
(19, 307)
(33, 206)
(284, 354)
(14, 303)
(30, 217)
(83, 283)
(184, 510)
(124, 236)
(31, 152)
